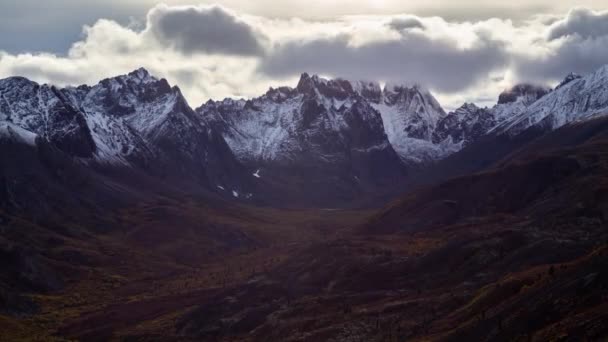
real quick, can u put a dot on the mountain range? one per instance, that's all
(339, 140)
(333, 210)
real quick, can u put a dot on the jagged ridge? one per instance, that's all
(133, 120)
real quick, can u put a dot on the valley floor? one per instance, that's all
(151, 268)
(242, 273)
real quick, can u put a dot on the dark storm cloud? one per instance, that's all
(579, 55)
(405, 23)
(211, 30)
(439, 64)
(584, 49)
(581, 22)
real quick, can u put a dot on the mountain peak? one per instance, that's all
(308, 84)
(575, 100)
(17, 80)
(140, 72)
(142, 75)
(368, 90)
(305, 83)
(467, 107)
(307, 80)
(399, 87)
(337, 88)
(525, 91)
(569, 78)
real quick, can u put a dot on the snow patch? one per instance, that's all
(580, 99)
(378, 147)
(17, 133)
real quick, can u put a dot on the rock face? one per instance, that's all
(319, 120)
(133, 120)
(468, 123)
(571, 77)
(575, 99)
(465, 125)
(526, 93)
(139, 116)
(323, 132)
(337, 139)
(329, 118)
(304, 122)
(410, 115)
(45, 111)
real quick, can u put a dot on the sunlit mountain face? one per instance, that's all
(308, 171)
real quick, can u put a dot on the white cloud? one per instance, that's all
(108, 49)
(213, 52)
(581, 22)
(577, 42)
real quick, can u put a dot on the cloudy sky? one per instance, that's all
(466, 50)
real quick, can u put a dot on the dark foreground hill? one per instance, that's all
(517, 251)
(125, 215)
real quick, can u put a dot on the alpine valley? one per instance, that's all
(335, 210)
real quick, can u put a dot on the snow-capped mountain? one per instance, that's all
(576, 98)
(410, 115)
(288, 123)
(329, 116)
(133, 120)
(516, 100)
(571, 77)
(523, 93)
(43, 110)
(324, 129)
(331, 137)
(468, 123)
(463, 126)
(322, 119)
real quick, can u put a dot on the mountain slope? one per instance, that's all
(514, 248)
(316, 118)
(558, 166)
(321, 136)
(410, 115)
(340, 141)
(43, 110)
(515, 253)
(129, 121)
(575, 99)
(512, 124)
